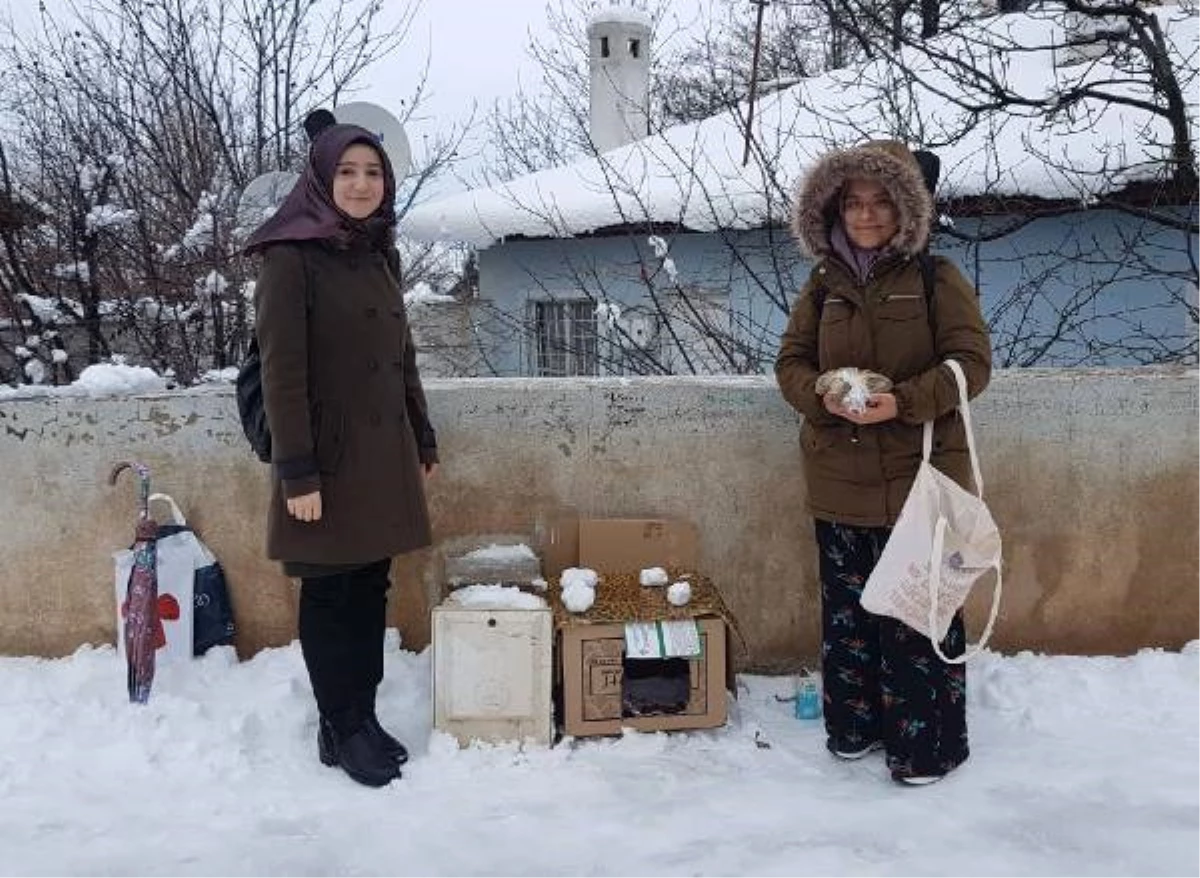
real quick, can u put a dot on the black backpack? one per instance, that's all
(251, 409)
(250, 403)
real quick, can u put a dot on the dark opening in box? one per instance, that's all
(655, 686)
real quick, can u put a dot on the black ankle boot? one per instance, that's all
(358, 754)
(326, 743)
(388, 744)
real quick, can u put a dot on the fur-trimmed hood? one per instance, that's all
(888, 161)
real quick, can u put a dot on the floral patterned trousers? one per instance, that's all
(883, 681)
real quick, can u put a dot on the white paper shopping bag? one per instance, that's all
(944, 541)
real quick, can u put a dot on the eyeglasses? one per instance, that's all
(877, 205)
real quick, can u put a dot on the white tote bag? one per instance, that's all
(944, 541)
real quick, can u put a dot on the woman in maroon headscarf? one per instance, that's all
(352, 444)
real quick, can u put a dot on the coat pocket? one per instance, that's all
(904, 342)
(829, 454)
(329, 427)
(901, 307)
(833, 332)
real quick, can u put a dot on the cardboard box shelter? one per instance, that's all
(592, 670)
(590, 666)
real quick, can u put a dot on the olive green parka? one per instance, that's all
(861, 475)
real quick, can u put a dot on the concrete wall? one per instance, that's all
(1092, 476)
(1060, 291)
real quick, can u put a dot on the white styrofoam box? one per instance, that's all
(492, 673)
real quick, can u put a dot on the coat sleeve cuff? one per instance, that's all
(428, 454)
(301, 487)
(904, 403)
(296, 467)
(299, 475)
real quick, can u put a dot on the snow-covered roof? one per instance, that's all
(693, 174)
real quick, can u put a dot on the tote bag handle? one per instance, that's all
(939, 531)
(935, 584)
(964, 408)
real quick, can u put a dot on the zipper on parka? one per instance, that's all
(868, 309)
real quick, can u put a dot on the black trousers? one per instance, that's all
(342, 620)
(883, 681)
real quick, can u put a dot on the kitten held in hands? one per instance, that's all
(852, 387)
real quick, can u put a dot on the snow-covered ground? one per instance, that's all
(1080, 766)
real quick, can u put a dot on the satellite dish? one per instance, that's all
(383, 125)
(640, 328)
(262, 197)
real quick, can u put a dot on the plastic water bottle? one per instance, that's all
(808, 696)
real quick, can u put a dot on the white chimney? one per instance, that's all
(619, 43)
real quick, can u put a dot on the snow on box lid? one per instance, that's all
(621, 598)
(618, 549)
(494, 597)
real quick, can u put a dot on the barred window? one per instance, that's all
(565, 341)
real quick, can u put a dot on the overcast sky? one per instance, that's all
(477, 53)
(475, 49)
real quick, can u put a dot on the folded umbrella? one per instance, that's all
(141, 595)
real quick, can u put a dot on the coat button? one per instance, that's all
(373, 364)
(375, 419)
(372, 311)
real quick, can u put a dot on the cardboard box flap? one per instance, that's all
(627, 545)
(557, 541)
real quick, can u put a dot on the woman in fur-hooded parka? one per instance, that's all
(865, 306)
(879, 321)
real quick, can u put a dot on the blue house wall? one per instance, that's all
(1091, 288)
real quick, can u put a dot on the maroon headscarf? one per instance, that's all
(309, 214)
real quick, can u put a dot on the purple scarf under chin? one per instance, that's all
(858, 258)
